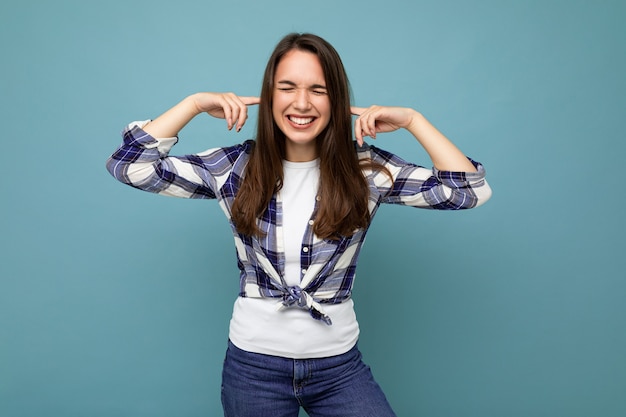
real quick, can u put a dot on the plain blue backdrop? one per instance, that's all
(115, 302)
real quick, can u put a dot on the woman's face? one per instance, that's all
(301, 107)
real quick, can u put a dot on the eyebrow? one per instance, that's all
(292, 84)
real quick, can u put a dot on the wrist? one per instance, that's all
(191, 104)
(416, 121)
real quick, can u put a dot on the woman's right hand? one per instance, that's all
(227, 106)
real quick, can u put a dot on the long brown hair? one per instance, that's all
(343, 191)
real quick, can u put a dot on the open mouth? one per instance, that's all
(301, 121)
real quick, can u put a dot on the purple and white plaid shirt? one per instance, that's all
(328, 266)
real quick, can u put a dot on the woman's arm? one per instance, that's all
(377, 119)
(417, 186)
(143, 160)
(227, 106)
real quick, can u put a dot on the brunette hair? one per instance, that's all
(343, 191)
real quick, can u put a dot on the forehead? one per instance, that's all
(301, 67)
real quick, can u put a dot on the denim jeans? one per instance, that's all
(256, 385)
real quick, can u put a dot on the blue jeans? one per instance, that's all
(256, 385)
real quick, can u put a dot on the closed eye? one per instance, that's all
(289, 86)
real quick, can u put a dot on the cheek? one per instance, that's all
(324, 109)
(277, 105)
(321, 103)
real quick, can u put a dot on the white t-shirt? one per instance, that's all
(257, 324)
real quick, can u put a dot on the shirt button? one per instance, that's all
(305, 249)
(303, 271)
(311, 222)
(318, 198)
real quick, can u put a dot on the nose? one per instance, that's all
(302, 101)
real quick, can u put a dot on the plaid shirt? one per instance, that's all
(328, 266)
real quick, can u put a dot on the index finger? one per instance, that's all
(357, 111)
(250, 101)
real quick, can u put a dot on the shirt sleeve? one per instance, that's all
(143, 162)
(416, 186)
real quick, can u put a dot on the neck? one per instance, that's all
(300, 153)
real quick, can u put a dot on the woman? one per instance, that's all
(299, 200)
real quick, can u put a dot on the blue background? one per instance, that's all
(115, 302)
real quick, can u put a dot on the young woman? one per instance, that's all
(299, 199)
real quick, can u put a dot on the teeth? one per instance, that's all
(301, 120)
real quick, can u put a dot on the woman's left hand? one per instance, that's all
(377, 119)
(380, 119)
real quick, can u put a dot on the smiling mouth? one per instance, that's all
(301, 121)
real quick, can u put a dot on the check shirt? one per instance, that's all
(328, 266)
